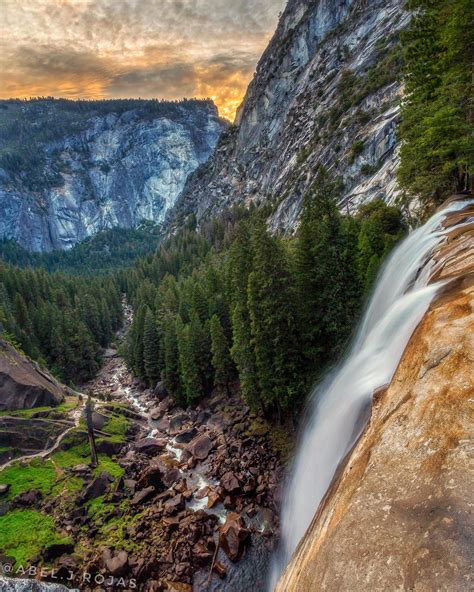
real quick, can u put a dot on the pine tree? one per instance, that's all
(320, 275)
(151, 348)
(189, 368)
(171, 358)
(242, 350)
(221, 360)
(271, 304)
(437, 150)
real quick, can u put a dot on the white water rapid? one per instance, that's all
(340, 406)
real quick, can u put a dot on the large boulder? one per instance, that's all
(233, 536)
(150, 446)
(160, 391)
(185, 436)
(23, 385)
(200, 447)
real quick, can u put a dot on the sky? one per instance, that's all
(134, 48)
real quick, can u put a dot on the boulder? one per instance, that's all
(177, 422)
(173, 505)
(98, 486)
(212, 498)
(4, 488)
(23, 385)
(229, 482)
(28, 498)
(152, 475)
(203, 417)
(200, 447)
(233, 536)
(4, 508)
(160, 390)
(143, 495)
(171, 476)
(201, 554)
(219, 569)
(155, 413)
(57, 550)
(185, 436)
(150, 446)
(118, 564)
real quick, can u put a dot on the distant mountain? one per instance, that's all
(326, 92)
(69, 169)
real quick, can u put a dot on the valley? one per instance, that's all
(238, 357)
(179, 495)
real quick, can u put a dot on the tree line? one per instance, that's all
(61, 321)
(268, 313)
(437, 115)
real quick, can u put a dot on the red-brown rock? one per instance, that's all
(200, 447)
(233, 536)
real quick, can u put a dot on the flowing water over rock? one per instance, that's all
(341, 404)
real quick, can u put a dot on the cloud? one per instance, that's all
(121, 48)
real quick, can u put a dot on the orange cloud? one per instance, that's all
(121, 48)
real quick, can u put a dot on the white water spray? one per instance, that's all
(341, 404)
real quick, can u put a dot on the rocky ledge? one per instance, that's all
(23, 385)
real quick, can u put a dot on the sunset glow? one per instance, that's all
(122, 48)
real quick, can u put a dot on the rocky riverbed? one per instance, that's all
(203, 485)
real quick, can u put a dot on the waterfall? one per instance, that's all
(339, 407)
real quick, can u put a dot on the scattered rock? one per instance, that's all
(178, 587)
(82, 469)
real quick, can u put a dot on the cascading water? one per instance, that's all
(341, 404)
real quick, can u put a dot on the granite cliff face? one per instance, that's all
(69, 169)
(325, 93)
(397, 517)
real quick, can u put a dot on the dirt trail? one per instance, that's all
(75, 415)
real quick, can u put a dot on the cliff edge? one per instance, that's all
(397, 516)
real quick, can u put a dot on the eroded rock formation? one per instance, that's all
(23, 385)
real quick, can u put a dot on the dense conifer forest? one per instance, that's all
(233, 302)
